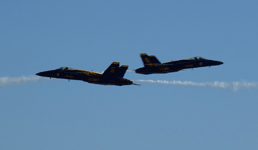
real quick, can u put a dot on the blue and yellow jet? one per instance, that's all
(113, 75)
(153, 65)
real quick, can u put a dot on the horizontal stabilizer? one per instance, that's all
(136, 84)
(112, 69)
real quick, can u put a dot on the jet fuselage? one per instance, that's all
(174, 66)
(87, 76)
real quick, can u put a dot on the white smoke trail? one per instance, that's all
(130, 70)
(234, 85)
(18, 80)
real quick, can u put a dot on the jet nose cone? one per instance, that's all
(217, 63)
(41, 74)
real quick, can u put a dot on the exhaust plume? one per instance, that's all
(19, 80)
(234, 85)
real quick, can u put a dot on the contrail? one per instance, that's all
(18, 80)
(234, 85)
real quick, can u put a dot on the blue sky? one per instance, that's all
(90, 35)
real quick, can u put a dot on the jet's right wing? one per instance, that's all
(112, 69)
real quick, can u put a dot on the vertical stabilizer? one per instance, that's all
(121, 71)
(154, 60)
(145, 59)
(112, 69)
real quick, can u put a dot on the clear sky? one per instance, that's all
(57, 114)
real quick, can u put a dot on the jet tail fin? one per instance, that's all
(154, 60)
(121, 71)
(149, 59)
(145, 59)
(112, 69)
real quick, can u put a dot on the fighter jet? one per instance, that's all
(113, 75)
(153, 65)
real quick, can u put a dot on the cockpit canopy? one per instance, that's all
(64, 68)
(198, 58)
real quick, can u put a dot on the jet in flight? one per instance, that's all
(113, 75)
(153, 65)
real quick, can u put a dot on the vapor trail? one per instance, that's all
(234, 85)
(18, 80)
